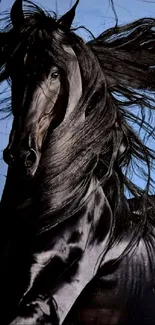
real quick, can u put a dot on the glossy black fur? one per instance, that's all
(74, 249)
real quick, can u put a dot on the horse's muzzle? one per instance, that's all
(8, 157)
(28, 160)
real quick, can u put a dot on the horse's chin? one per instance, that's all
(31, 173)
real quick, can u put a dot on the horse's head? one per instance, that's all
(45, 82)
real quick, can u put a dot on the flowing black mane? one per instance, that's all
(118, 74)
(74, 249)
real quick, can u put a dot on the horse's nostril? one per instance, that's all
(8, 157)
(30, 158)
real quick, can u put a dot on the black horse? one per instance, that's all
(73, 248)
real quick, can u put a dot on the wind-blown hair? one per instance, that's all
(118, 76)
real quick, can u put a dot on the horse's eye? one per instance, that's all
(54, 75)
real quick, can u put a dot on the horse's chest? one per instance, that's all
(125, 295)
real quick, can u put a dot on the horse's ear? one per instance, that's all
(68, 18)
(17, 15)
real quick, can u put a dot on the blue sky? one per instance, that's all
(97, 16)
